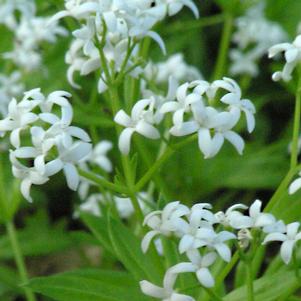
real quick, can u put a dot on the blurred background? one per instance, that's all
(54, 240)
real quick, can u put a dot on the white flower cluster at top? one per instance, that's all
(29, 32)
(254, 36)
(54, 143)
(110, 32)
(192, 113)
(203, 236)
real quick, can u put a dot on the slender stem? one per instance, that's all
(250, 286)
(195, 24)
(223, 48)
(280, 190)
(228, 268)
(103, 182)
(212, 294)
(296, 128)
(129, 177)
(130, 181)
(11, 231)
(165, 156)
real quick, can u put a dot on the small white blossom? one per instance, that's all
(230, 214)
(216, 241)
(135, 123)
(174, 66)
(53, 135)
(289, 240)
(199, 216)
(254, 35)
(292, 54)
(199, 265)
(163, 222)
(256, 218)
(165, 293)
(92, 204)
(10, 87)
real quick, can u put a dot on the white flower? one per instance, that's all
(69, 155)
(256, 219)
(53, 136)
(20, 115)
(174, 6)
(199, 217)
(78, 9)
(29, 33)
(254, 35)
(28, 176)
(289, 240)
(163, 222)
(10, 87)
(92, 204)
(209, 238)
(135, 123)
(8, 7)
(99, 157)
(243, 63)
(165, 293)
(125, 207)
(295, 185)
(208, 119)
(199, 265)
(184, 100)
(292, 54)
(174, 66)
(230, 214)
(233, 99)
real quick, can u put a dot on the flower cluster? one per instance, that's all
(124, 207)
(55, 144)
(8, 8)
(29, 32)
(254, 35)
(110, 32)
(292, 54)
(192, 111)
(175, 66)
(203, 236)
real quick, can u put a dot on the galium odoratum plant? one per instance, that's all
(127, 114)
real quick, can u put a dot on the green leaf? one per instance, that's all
(99, 228)
(128, 250)
(39, 238)
(268, 288)
(88, 285)
(9, 281)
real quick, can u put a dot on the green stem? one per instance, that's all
(212, 294)
(129, 176)
(165, 156)
(228, 268)
(12, 234)
(296, 128)
(103, 182)
(130, 181)
(195, 24)
(250, 287)
(223, 48)
(280, 190)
